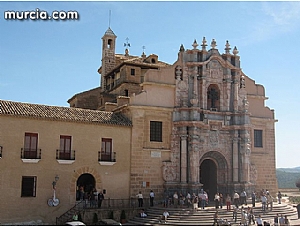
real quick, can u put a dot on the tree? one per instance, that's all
(297, 183)
(95, 218)
(123, 217)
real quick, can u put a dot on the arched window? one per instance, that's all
(213, 97)
(109, 43)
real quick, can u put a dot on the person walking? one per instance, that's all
(140, 199)
(175, 199)
(216, 218)
(234, 214)
(151, 198)
(100, 199)
(228, 202)
(236, 198)
(188, 198)
(276, 220)
(253, 199)
(279, 196)
(217, 200)
(286, 221)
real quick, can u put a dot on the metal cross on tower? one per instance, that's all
(127, 44)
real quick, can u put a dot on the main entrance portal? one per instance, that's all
(208, 177)
(85, 184)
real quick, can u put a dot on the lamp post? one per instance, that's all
(54, 201)
(56, 178)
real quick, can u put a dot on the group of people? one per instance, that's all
(163, 218)
(92, 197)
(247, 217)
(140, 198)
(195, 200)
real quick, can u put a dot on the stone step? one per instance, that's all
(188, 216)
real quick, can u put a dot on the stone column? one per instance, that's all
(245, 152)
(193, 156)
(183, 155)
(236, 92)
(235, 158)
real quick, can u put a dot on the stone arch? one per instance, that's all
(77, 173)
(221, 166)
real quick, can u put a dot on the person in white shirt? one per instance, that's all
(143, 214)
(259, 220)
(140, 199)
(263, 202)
(165, 216)
(151, 198)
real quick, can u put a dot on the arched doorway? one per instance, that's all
(208, 177)
(85, 184)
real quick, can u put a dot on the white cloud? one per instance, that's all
(283, 15)
(272, 19)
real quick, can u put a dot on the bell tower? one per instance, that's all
(108, 54)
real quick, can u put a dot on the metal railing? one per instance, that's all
(67, 216)
(31, 154)
(106, 157)
(65, 154)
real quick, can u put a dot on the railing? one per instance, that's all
(65, 154)
(67, 216)
(30, 154)
(107, 204)
(106, 157)
(1, 151)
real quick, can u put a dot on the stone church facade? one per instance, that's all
(197, 123)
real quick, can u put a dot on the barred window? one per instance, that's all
(258, 138)
(28, 186)
(156, 131)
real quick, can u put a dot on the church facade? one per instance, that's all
(198, 123)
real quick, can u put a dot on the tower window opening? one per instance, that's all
(109, 43)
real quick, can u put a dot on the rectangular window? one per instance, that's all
(30, 145)
(132, 72)
(28, 187)
(65, 148)
(156, 131)
(106, 149)
(258, 138)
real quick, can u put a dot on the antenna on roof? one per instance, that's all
(109, 18)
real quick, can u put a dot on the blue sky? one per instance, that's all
(47, 62)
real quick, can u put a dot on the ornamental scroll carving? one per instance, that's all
(214, 137)
(169, 172)
(215, 70)
(253, 174)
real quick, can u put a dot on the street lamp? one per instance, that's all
(54, 201)
(56, 178)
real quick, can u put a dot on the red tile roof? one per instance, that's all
(62, 113)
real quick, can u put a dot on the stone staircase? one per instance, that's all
(188, 216)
